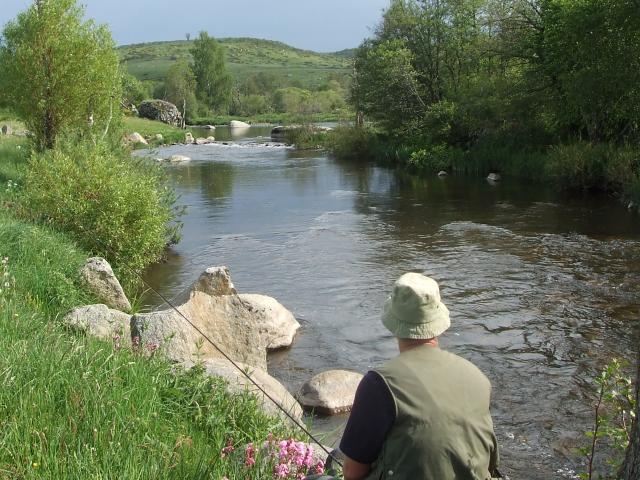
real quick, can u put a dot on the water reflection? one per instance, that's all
(542, 287)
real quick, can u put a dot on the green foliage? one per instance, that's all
(613, 419)
(59, 72)
(149, 128)
(74, 407)
(112, 205)
(211, 75)
(180, 88)
(282, 65)
(133, 90)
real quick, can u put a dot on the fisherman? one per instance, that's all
(425, 413)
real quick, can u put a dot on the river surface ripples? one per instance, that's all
(542, 287)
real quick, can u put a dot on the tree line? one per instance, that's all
(520, 73)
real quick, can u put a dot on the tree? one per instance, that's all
(180, 86)
(59, 72)
(210, 70)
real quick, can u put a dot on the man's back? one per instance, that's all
(443, 428)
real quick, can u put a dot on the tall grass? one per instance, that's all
(73, 407)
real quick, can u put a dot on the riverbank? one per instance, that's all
(78, 407)
(580, 166)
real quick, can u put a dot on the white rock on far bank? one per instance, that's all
(238, 383)
(178, 159)
(238, 124)
(331, 392)
(101, 322)
(280, 324)
(98, 276)
(494, 177)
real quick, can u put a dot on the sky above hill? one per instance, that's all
(323, 26)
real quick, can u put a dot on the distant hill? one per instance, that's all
(151, 61)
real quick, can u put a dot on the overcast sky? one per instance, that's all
(321, 25)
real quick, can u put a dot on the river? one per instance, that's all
(542, 286)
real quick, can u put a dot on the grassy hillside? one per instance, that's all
(150, 61)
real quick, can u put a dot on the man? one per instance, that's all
(425, 413)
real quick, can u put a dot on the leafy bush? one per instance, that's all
(113, 205)
(434, 158)
(353, 143)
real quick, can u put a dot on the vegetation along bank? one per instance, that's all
(545, 91)
(72, 406)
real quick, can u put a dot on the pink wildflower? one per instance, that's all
(152, 347)
(320, 467)
(281, 470)
(228, 449)
(250, 459)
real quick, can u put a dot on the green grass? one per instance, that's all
(276, 118)
(74, 407)
(149, 128)
(245, 56)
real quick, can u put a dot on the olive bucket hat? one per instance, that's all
(414, 309)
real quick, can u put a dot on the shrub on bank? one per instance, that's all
(113, 205)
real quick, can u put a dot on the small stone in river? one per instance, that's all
(494, 177)
(188, 138)
(178, 158)
(442, 173)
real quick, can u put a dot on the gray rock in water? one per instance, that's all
(101, 281)
(6, 130)
(331, 392)
(135, 137)
(202, 141)
(188, 138)
(442, 173)
(101, 322)
(238, 383)
(214, 281)
(209, 127)
(494, 177)
(211, 139)
(161, 111)
(280, 324)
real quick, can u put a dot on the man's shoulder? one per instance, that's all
(432, 359)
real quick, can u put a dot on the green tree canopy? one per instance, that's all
(59, 72)
(210, 70)
(180, 87)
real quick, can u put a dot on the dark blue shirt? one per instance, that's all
(372, 416)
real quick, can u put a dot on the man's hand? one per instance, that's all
(353, 470)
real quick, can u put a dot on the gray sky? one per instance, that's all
(326, 25)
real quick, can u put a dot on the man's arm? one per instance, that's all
(372, 416)
(352, 470)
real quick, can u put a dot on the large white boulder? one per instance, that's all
(330, 392)
(213, 306)
(101, 322)
(135, 137)
(101, 281)
(238, 124)
(280, 324)
(214, 281)
(238, 383)
(188, 138)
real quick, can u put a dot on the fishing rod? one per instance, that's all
(332, 456)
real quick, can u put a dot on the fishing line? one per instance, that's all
(331, 457)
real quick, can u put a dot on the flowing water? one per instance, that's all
(542, 287)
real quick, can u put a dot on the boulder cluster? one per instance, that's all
(227, 332)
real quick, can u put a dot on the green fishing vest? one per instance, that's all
(443, 428)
